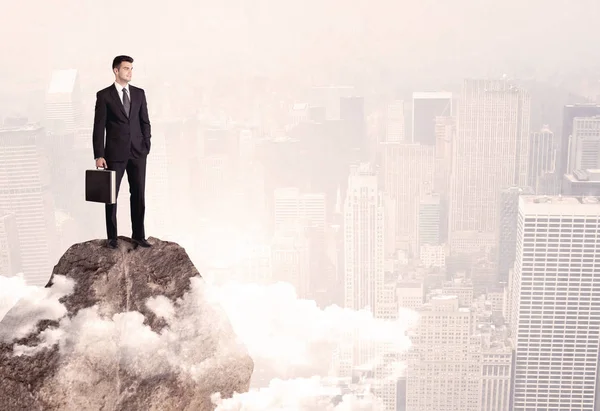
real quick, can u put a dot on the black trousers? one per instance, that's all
(136, 175)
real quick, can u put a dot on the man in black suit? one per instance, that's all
(122, 110)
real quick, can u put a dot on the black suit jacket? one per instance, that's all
(125, 136)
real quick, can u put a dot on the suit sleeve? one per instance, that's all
(99, 126)
(145, 120)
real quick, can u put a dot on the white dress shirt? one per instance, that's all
(120, 91)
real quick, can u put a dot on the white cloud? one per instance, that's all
(280, 332)
(302, 394)
(35, 303)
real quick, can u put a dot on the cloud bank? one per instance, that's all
(286, 337)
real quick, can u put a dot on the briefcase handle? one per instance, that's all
(103, 168)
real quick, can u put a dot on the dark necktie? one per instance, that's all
(126, 102)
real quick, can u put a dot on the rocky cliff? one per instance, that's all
(126, 329)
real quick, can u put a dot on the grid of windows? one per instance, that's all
(556, 305)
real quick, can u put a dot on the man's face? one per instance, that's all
(124, 71)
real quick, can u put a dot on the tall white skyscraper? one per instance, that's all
(407, 174)
(555, 304)
(25, 192)
(363, 239)
(490, 153)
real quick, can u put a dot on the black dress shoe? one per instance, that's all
(142, 242)
(112, 243)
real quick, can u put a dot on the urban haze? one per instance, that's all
(396, 203)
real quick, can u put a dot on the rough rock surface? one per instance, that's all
(100, 355)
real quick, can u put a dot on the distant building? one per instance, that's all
(426, 107)
(25, 192)
(582, 183)
(63, 102)
(490, 155)
(569, 113)
(10, 256)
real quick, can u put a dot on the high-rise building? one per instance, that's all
(569, 113)
(444, 363)
(330, 98)
(555, 304)
(542, 160)
(454, 364)
(584, 144)
(495, 382)
(426, 107)
(64, 105)
(407, 175)
(25, 192)
(290, 259)
(507, 229)
(352, 116)
(429, 220)
(582, 183)
(395, 130)
(294, 208)
(10, 257)
(363, 239)
(445, 128)
(490, 154)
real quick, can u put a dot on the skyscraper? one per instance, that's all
(584, 144)
(63, 102)
(569, 113)
(426, 107)
(395, 128)
(444, 363)
(25, 192)
(490, 153)
(542, 160)
(428, 232)
(363, 239)
(293, 208)
(10, 258)
(555, 304)
(507, 229)
(407, 174)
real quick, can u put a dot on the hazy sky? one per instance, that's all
(471, 36)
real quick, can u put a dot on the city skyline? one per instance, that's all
(395, 205)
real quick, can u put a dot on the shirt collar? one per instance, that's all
(120, 87)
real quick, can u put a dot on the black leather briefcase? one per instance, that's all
(101, 186)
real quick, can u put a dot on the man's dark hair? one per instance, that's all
(119, 59)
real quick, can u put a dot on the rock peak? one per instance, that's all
(121, 329)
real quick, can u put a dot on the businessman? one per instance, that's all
(122, 111)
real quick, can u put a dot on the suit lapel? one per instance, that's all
(134, 100)
(117, 100)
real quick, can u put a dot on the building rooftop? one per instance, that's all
(63, 81)
(568, 200)
(24, 127)
(560, 205)
(591, 175)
